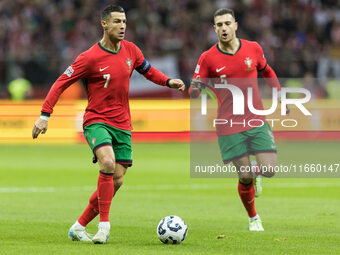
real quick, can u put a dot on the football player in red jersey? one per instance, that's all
(238, 62)
(105, 70)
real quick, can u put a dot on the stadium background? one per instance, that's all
(39, 39)
(45, 183)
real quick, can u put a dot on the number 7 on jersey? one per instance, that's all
(107, 77)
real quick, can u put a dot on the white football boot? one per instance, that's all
(257, 181)
(255, 224)
(79, 235)
(102, 235)
(258, 185)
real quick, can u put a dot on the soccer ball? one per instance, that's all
(172, 230)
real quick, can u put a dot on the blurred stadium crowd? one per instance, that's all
(40, 38)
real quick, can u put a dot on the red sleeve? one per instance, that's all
(271, 78)
(152, 74)
(139, 57)
(202, 70)
(73, 73)
(266, 71)
(156, 76)
(261, 60)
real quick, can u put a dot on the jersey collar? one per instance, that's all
(110, 51)
(230, 54)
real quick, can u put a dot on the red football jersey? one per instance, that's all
(106, 77)
(239, 69)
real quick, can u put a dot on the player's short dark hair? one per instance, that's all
(106, 14)
(223, 11)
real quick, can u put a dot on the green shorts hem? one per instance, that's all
(249, 142)
(227, 161)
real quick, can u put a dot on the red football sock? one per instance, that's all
(247, 195)
(91, 210)
(105, 189)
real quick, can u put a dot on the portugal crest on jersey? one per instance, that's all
(93, 141)
(129, 63)
(248, 61)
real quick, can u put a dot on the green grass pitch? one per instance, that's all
(43, 189)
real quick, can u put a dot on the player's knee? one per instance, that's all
(246, 180)
(268, 170)
(108, 165)
(245, 175)
(268, 174)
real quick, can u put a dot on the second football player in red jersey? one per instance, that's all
(105, 70)
(238, 62)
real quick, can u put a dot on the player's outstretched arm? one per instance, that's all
(157, 77)
(40, 126)
(176, 84)
(272, 80)
(74, 72)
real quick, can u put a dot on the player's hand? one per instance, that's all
(40, 126)
(195, 84)
(177, 84)
(287, 109)
(195, 88)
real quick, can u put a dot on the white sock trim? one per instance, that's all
(255, 217)
(77, 225)
(104, 224)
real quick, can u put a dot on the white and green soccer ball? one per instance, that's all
(172, 230)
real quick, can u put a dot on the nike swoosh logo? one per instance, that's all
(219, 70)
(249, 202)
(102, 69)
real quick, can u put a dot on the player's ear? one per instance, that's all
(215, 29)
(236, 26)
(104, 24)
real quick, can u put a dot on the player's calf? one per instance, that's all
(118, 182)
(118, 176)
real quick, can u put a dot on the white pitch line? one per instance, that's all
(43, 189)
(197, 186)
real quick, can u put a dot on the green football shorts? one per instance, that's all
(253, 141)
(100, 134)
